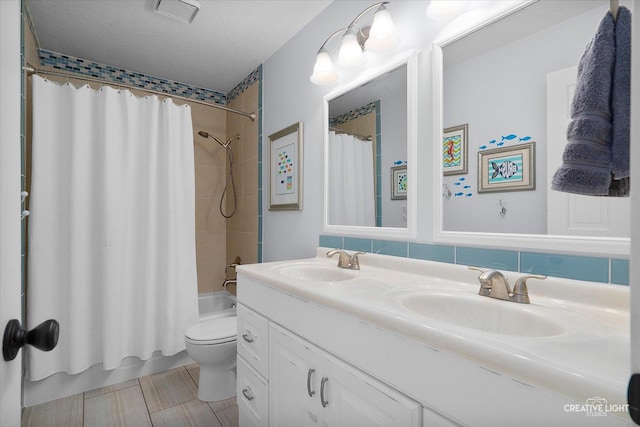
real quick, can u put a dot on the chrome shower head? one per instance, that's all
(208, 135)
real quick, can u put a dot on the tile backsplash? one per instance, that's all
(592, 269)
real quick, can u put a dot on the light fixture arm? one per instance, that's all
(341, 30)
(373, 6)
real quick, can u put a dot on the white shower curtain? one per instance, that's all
(351, 181)
(112, 226)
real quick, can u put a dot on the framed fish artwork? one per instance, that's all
(454, 150)
(399, 182)
(507, 168)
(285, 164)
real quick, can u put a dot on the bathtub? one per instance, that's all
(215, 304)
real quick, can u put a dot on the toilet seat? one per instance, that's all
(216, 330)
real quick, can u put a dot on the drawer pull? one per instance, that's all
(309, 391)
(322, 383)
(246, 392)
(248, 337)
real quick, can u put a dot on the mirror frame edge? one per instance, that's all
(580, 245)
(410, 59)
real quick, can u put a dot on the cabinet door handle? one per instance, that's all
(248, 337)
(322, 383)
(309, 391)
(246, 392)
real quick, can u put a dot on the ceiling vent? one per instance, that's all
(180, 10)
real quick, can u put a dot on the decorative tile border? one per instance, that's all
(131, 78)
(592, 269)
(244, 84)
(353, 114)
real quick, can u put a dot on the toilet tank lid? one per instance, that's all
(215, 328)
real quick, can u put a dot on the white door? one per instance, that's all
(294, 378)
(574, 214)
(10, 270)
(354, 399)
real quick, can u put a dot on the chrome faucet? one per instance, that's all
(493, 284)
(345, 261)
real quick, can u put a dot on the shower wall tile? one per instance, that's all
(244, 84)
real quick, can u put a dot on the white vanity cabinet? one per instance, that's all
(306, 344)
(310, 387)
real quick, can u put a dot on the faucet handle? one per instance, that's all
(520, 291)
(343, 260)
(481, 270)
(485, 286)
(354, 261)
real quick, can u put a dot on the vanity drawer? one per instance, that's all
(253, 339)
(252, 397)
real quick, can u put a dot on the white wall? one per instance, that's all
(289, 96)
(503, 92)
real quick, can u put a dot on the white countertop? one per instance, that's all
(589, 358)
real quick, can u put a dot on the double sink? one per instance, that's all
(573, 337)
(456, 308)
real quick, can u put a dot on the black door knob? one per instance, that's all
(43, 337)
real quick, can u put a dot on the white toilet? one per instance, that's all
(212, 344)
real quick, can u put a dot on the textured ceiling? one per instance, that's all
(227, 40)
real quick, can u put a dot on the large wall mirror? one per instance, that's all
(369, 153)
(506, 90)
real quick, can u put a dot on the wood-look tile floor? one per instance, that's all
(165, 399)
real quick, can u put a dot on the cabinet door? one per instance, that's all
(353, 399)
(294, 380)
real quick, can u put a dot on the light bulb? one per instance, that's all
(351, 54)
(382, 35)
(324, 73)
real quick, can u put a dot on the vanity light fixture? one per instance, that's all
(379, 37)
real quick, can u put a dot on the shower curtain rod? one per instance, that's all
(363, 137)
(32, 70)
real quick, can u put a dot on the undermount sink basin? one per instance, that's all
(319, 273)
(483, 314)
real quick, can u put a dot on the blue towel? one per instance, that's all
(588, 159)
(621, 106)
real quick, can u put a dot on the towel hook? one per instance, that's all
(503, 210)
(446, 193)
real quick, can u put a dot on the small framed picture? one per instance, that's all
(399, 182)
(454, 150)
(507, 169)
(285, 164)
